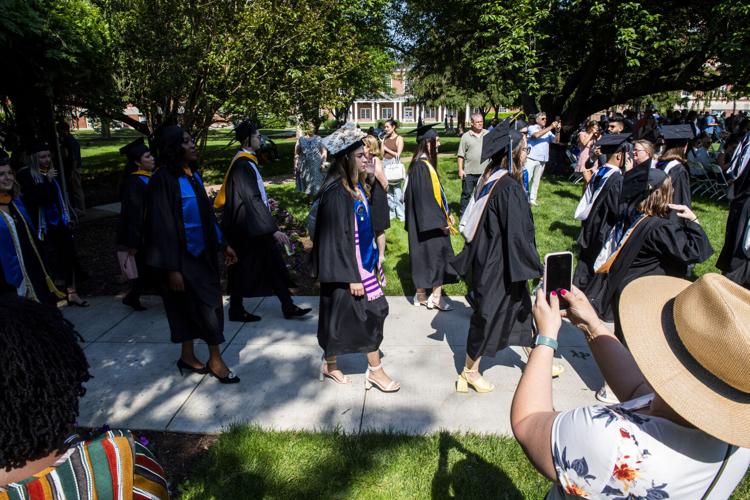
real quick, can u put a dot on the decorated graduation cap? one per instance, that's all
(245, 129)
(426, 132)
(676, 135)
(134, 150)
(343, 140)
(640, 182)
(609, 144)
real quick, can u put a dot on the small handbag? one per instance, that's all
(394, 170)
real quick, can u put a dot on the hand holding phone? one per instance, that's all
(558, 274)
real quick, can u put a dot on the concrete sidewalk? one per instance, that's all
(136, 383)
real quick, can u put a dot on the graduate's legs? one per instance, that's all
(216, 364)
(436, 300)
(330, 370)
(187, 355)
(376, 374)
(470, 376)
(237, 310)
(380, 239)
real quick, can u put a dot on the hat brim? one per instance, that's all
(647, 320)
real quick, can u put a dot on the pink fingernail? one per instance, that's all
(563, 292)
(553, 293)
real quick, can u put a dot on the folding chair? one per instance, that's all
(720, 180)
(700, 182)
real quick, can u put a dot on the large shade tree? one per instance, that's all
(576, 57)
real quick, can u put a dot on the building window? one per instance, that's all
(430, 113)
(364, 113)
(387, 113)
(408, 114)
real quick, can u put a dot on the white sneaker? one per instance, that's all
(606, 396)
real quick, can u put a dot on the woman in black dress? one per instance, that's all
(734, 259)
(428, 223)
(500, 256)
(353, 306)
(130, 230)
(182, 242)
(378, 185)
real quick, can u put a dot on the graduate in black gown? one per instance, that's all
(182, 243)
(428, 223)
(353, 306)
(500, 255)
(599, 208)
(734, 259)
(130, 229)
(674, 163)
(378, 185)
(22, 268)
(252, 232)
(645, 241)
(43, 197)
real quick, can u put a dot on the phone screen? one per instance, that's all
(558, 273)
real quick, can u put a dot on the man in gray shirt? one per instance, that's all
(470, 165)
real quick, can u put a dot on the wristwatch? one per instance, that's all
(548, 341)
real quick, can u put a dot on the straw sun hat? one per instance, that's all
(692, 343)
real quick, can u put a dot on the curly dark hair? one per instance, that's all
(41, 380)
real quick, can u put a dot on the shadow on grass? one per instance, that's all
(459, 481)
(569, 230)
(566, 194)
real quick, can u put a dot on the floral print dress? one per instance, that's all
(617, 453)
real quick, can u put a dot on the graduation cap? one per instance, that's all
(676, 135)
(609, 144)
(345, 139)
(426, 132)
(639, 182)
(135, 149)
(37, 147)
(244, 130)
(499, 139)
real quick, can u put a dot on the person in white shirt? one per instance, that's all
(540, 135)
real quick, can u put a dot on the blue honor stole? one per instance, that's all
(54, 214)
(368, 250)
(8, 257)
(191, 215)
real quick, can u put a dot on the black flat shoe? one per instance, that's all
(182, 366)
(133, 302)
(243, 317)
(231, 378)
(295, 312)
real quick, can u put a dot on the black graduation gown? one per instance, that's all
(197, 312)
(595, 229)
(732, 261)
(31, 259)
(379, 211)
(248, 226)
(57, 243)
(130, 229)
(657, 247)
(346, 324)
(430, 248)
(680, 177)
(501, 258)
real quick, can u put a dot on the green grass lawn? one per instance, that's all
(556, 230)
(247, 462)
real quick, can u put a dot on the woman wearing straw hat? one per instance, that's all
(683, 431)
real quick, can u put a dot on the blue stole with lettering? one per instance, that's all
(8, 258)
(54, 214)
(368, 250)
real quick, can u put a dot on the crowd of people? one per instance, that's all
(674, 352)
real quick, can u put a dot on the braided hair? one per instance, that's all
(41, 380)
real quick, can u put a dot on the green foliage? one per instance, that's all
(576, 57)
(193, 59)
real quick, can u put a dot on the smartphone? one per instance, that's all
(558, 273)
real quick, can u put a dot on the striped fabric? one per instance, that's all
(111, 467)
(369, 280)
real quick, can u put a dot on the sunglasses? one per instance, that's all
(528, 149)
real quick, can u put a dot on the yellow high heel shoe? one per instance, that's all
(480, 384)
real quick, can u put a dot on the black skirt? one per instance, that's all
(349, 324)
(379, 211)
